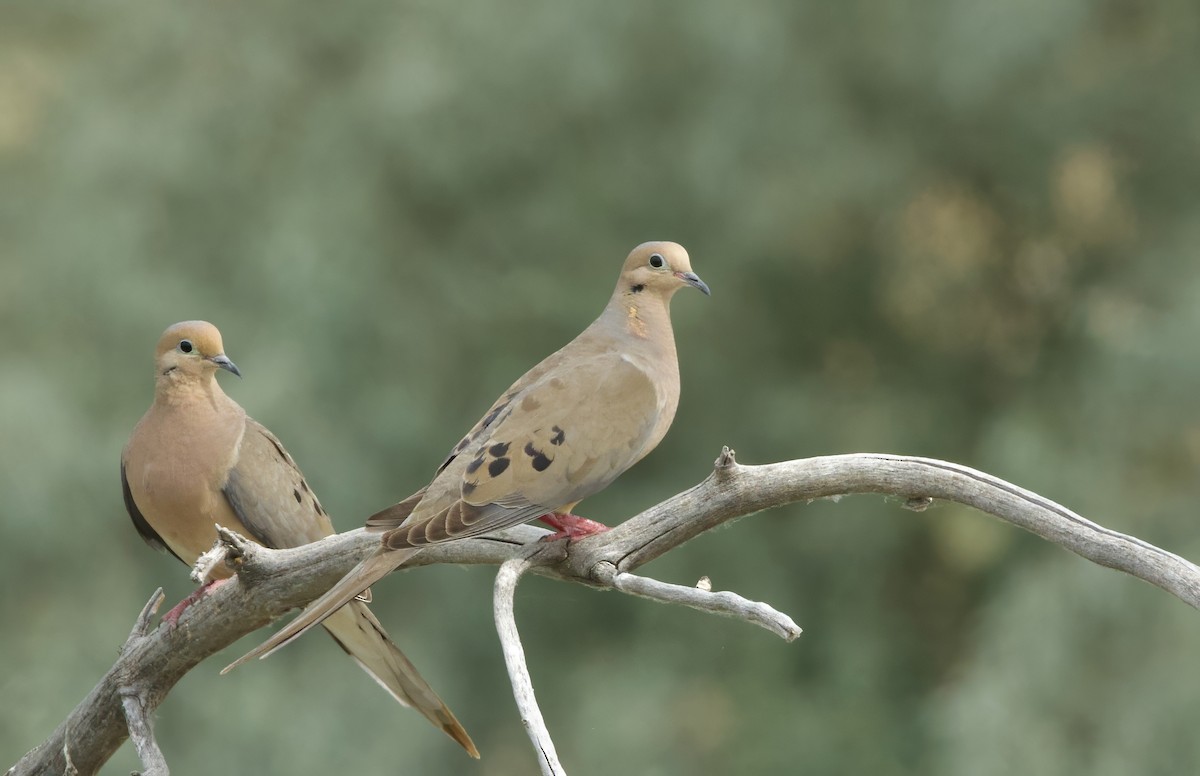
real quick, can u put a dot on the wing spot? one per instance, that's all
(468, 487)
(296, 493)
(559, 436)
(304, 486)
(557, 383)
(529, 404)
(540, 461)
(473, 466)
(498, 450)
(491, 416)
(497, 467)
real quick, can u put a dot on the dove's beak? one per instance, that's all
(223, 361)
(692, 279)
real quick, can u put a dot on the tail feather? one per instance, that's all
(361, 577)
(393, 516)
(359, 633)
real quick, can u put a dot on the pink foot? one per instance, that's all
(568, 526)
(171, 618)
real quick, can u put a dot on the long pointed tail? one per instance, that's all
(362, 576)
(358, 632)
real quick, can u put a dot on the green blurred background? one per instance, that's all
(953, 228)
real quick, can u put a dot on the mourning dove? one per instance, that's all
(564, 431)
(195, 459)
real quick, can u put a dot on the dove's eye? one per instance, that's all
(657, 261)
(185, 346)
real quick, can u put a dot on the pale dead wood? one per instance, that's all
(702, 598)
(518, 671)
(134, 700)
(273, 581)
(141, 732)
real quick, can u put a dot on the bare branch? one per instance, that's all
(724, 603)
(270, 582)
(134, 699)
(732, 491)
(207, 563)
(133, 702)
(507, 578)
(141, 626)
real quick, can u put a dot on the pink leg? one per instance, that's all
(171, 618)
(568, 526)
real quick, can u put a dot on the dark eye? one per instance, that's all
(657, 261)
(185, 346)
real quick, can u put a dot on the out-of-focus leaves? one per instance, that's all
(951, 229)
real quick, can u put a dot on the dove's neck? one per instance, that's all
(643, 320)
(640, 324)
(178, 388)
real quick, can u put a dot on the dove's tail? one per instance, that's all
(362, 576)
(358, 632)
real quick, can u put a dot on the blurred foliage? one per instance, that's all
(954, 228)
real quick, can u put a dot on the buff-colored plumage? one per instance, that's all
(563, 432)
(195, 459)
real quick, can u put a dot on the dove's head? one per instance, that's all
(660, 269)
(191, 348)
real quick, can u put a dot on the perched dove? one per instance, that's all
(564, 431)
(195, 459)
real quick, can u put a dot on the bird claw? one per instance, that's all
(568, 526)
(171, 618)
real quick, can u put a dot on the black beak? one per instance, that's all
(692, 279)
(224, 362)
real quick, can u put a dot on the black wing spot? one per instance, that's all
(559, 436)
(320, 510)
(498, 450)
(469, 486)
(637, 289)
(304, 486)
(540, 462)
(491, 416)
(296, 493)
(473, 466)
(497, 467)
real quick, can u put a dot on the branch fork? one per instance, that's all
(270, 582)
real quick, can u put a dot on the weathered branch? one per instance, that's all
(518, 672)
(724, 603)
(134, 701)
(137, 718)
(274, 581)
